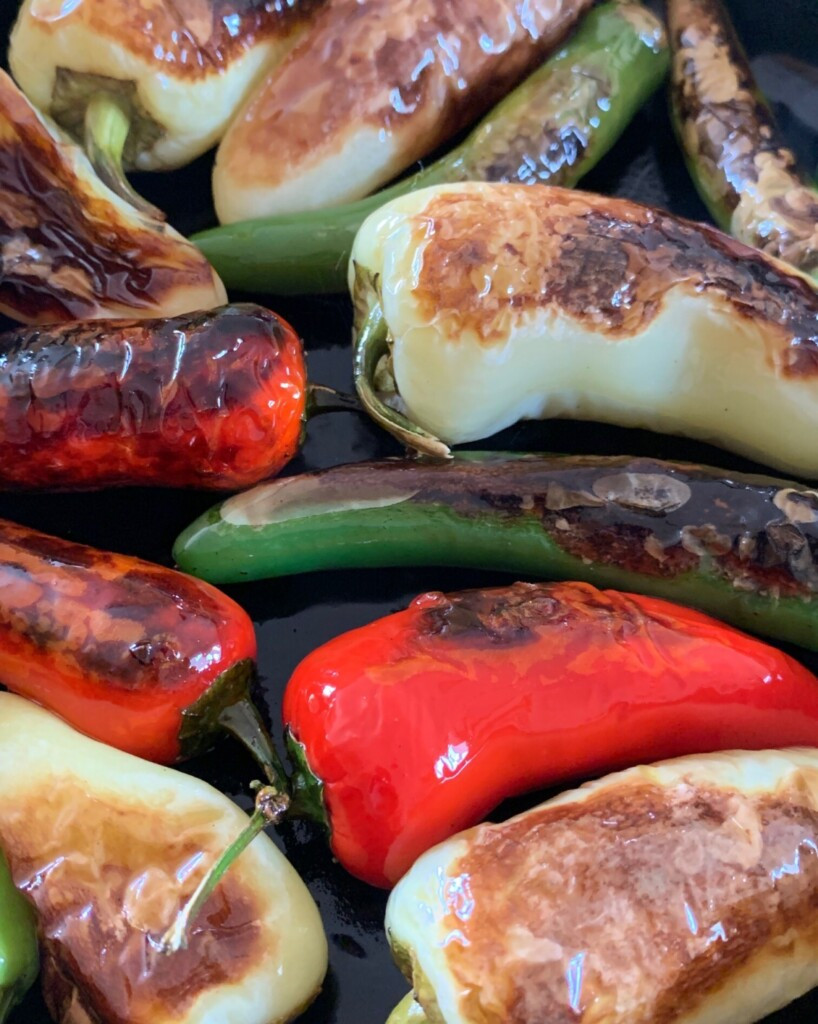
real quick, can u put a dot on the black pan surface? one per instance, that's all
(293, 616)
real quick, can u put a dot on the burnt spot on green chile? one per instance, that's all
(642, 515)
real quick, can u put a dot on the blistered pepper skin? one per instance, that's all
(119, 648)
(212, 400)
(418, 724)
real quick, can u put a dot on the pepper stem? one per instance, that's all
(271, 806)
(371, 345)
(321, 399)
(107, 126)
(243, 721)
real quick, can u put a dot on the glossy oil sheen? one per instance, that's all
(208, 399)
(295, 615)
(117, 647)
(421, 723)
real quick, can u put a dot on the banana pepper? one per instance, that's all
(478, 305)
(110, 849)
(552, 128)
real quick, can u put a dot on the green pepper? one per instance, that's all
(19, 957)
(738, 159)
(553, 128)
(743, 548)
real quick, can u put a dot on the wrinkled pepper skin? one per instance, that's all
(417, 725)
(553, 128)
(738, 159)
(19, 956)
(743, 548)
(136, 655)
(212, 399)
(108, 847)
(72, 249)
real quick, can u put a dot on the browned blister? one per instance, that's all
(747, 173)
(372, 88)
(135, 866)
(682, 893)
(71, 249)
(606, 263)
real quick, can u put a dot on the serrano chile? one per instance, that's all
(743, 548)
(138, 656)
(417, 725)
(212, 399)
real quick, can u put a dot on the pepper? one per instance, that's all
(407, 1012)
(107, 847)
(71, 248)
(374, 87)
(168, 76)
(418, 724)
(537, 302)
(744, 548)
(213, 399)
(738, 159)
(136, 655)
(19, 957)
(679, 891)
(554, 127)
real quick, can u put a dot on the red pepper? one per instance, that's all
(214, 399)
(141, 657)
(414, 727)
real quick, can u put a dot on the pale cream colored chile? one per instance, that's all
(107, 845)
(679, 893)
(507, 302)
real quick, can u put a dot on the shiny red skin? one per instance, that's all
(213, 399)
(116, 646)
(421, 722)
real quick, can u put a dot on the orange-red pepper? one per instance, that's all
(213, 399)
(141, 657)
(414, 727)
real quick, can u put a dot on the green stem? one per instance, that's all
(271, 806)
(371, 345)
(243, 721)
(107, 125)
(321, 399)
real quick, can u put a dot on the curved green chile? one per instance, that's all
(552, 129)
(19, 957)
(744, 548)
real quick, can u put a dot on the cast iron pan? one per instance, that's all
(295, 615)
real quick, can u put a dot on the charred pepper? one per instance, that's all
(19, 956)
(740, 163)
(108, 847)
(683, 890)
(138, 656)
(743, 548)
(72, 249)
(170, 76)
(552, 128)
(418, 724)
(527, 303)
(374, 87)
(213, 399)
